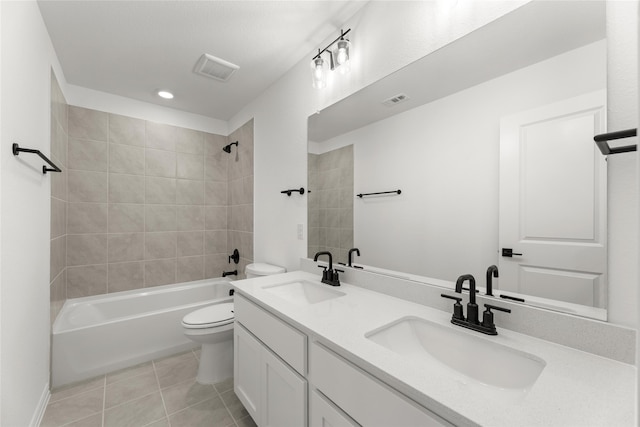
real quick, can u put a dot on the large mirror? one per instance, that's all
(489, 140)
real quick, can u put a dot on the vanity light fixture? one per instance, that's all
(339, 60)
(165, 94)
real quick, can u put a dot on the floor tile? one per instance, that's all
(209, 413)
(233, 404)
(246, 422)
(73, 408)
(130, 388)
(135, 413)
(90, 421)
(185, 394)
(133, 371)
(76, 388)
(176, 369)
(225, 385)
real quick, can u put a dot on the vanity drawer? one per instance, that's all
(367, 400)
(286, 341)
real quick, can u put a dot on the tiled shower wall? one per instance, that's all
(330, 202)
(58, 151)
(152, 204)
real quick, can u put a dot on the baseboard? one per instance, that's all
(42, 406)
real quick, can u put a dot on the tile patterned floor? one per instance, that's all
(160, 393)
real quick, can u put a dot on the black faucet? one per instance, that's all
(329, 276)
(351, 251)
(471, 322)
(492, 271)
(229, 273)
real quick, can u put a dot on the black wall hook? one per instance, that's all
(296, 190)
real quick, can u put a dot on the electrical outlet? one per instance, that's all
(300, 231)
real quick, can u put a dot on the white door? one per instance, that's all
(553, 202)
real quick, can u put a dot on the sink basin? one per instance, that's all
(474, 357)
(303, 292)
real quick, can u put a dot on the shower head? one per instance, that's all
(227, 148)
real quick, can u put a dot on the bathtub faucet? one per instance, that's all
(229, 273)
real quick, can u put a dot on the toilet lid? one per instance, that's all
(213, 315)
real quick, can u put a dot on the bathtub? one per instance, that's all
(99, 334)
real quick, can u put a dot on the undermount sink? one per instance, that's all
(475, 357)
(303, 292)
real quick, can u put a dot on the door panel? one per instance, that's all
(553, 201)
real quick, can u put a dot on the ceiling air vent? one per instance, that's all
(215, 68)
(395, 100)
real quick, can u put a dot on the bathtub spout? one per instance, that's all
(229, 273)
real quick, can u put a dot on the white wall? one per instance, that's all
(102, 101)
(445, 158)
(27, 57)
(385, 37)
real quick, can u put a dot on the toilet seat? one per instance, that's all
(210, 317)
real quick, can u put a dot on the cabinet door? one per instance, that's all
(246, 370)
(323, 413)
(284, 397)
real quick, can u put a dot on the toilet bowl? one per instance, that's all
(260, 269)
(212, 327)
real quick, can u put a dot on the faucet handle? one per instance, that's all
(457, 307)
(487, 316)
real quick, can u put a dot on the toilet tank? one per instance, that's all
(262, 269)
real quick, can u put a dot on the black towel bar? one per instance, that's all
(295, 190)
(601, 141)
(361, 195)
(15, 149)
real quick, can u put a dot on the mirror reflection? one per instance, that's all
(489, 140)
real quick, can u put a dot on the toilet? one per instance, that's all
(212, 326)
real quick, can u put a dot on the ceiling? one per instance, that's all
(134, 48)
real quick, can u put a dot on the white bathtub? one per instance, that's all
(99, 334)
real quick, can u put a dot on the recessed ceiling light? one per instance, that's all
(165, 94)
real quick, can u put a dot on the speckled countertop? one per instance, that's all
(574, 389)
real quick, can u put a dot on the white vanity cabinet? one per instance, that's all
(265, 350)
(367, 400)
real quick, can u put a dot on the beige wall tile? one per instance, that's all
(160, 163)
(126, 247)
(160, 245)
(125, 276)
(87, 186)
(58, 256)
(215, 242)
(190, 268)
(215, 264)
(213, 144)
(215, 167)
(126, 188)
(58, 218)
(59, 183)
(160, 218)
(87, 218)
(190, 166)
(86, 280)
(189, 141)
(189, 192)
(190, 218)
(160, 191)
(126, 218)
(190, 243)
(215, 218)
(159, 272)
(126, 159)
(215, 193)
(57, 295)
(88, 124)
(126, 130)
(87, 155)
(86, 249)
(161, 136)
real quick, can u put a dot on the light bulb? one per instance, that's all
(318, 73)
(343, 52)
